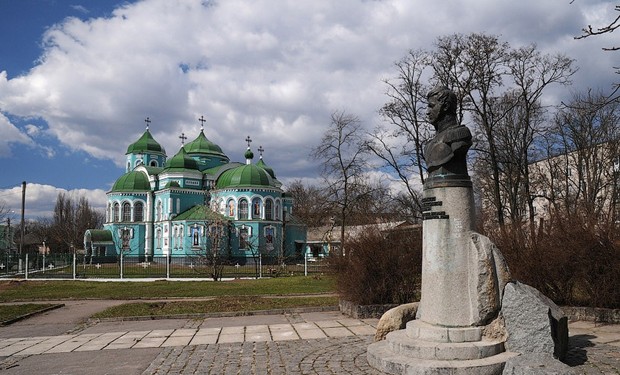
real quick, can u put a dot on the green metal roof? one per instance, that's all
(267, 168)
(181, 161)
(199, 213)
(201, 145)
(244, 176)
(132, 181)
(100, 236)
(146, 143)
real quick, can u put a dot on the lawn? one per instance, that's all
(33, 290)
(10, 312)
(218, 304)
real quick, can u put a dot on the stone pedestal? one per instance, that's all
(462, 279)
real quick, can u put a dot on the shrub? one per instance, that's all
(380, 269)
(573, 260)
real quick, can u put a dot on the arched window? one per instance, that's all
(128, 166)
(108, 213)
(268, 209)
(138, 211)
(116, 210)
(153, 163)
(126, 211)
(243, 209)
(256, 203)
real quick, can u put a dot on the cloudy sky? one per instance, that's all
(78, 77)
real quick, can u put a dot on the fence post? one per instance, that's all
(260, 266)
(168, 259)
(26, 269)
(43, 269)
(121, 264)
(305, 264)
(74, 265)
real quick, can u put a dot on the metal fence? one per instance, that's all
(78, 266)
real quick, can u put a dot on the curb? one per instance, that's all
(29, 315)
(296, 310)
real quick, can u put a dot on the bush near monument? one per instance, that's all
(380, 268)
(574, 260)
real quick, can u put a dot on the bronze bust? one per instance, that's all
(446, 152)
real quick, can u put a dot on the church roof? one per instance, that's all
(200, 213)
(267, 168)
(245, 176)
(201, 145)
(132, 181)
(100, 236)
(181, 162)
(146, 143)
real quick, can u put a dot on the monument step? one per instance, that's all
(381, 357)
(400, 343)
(419, 329)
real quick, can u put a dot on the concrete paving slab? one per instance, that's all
(177, 341)
(361, 330)
(208, 331)
(350, 322)
(18, 346)
(258, 336)
(160, 333)
(183, 332)
(310, 334)
(150, 342)
(46, 345)
(337, 332)
(230, 338)
(328, 324)
(232, 331)
(204, 339)
(263, 328)
(73, 343)
(100, 342)
(284, 334)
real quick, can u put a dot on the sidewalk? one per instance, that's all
(300, 343)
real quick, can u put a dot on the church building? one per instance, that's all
(194, 202)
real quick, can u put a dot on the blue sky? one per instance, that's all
(78, 77)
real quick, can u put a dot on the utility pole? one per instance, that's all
(21, 242)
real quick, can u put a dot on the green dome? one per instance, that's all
(201, 145)
(132, 181)
(249, 154)
(267, 168)
(181, 161)
(243, 176)
(145, 144)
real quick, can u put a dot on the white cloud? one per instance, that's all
(274, 70)
(10, 134)
(41, 199)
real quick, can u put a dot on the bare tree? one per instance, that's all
(474, 66)
(600, 30)
(310, 204)
(343, 156)
(581, 175)
(71, 219)
(532, 72)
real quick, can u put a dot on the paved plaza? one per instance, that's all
(296, 343)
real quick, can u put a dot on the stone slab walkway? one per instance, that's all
(161, 338)
(313, 343)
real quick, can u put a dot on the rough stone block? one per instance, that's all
(533, 322)
(536, 364)
(492, 276)
(395, 319)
